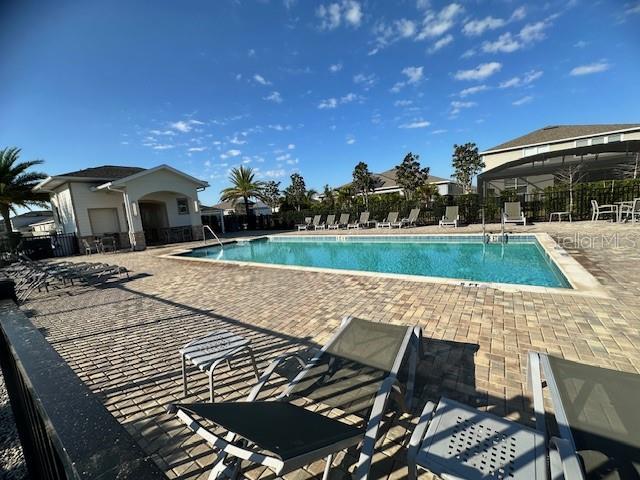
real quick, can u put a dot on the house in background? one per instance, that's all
(237, 208)
(137, 206)
(387, 182)
(530, 163)
(24, 222)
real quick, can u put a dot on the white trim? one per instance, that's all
(560, 140)
(605, 142)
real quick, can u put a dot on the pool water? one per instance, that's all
(521, 261)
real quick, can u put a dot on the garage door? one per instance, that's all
(104, 220)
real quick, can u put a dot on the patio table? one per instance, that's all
(210, 351)
(596, 411)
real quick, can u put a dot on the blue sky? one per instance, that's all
(312, 87)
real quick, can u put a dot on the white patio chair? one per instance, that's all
(607, 209)
(450, 217)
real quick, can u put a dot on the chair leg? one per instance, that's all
(184, 375)
(211, 385)
(327, 467)
(253, 363)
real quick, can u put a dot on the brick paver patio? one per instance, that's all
(122, 338)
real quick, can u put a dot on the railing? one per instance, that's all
(65, 432)
(204, 236)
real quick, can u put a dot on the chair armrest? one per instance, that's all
(373, 425)
(419, 431)
(264, 378)
(568, 458)
(534, 378)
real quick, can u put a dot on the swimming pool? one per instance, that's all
(521, 261)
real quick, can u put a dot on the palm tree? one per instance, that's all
(243, 186)
(16, 184)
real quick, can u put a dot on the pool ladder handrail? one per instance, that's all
(204, 237)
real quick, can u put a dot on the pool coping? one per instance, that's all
(582, 282)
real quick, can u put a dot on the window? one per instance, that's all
(614, 138)
(517, 184)
(183, 206)
(582, 143)
(543, 148)
(534, 150)
(597, 140)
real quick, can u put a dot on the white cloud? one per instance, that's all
(475, 28)
(526, 79)
(367, 81)
(236, 140)
(402, 103)
(416, 124)
(595, 67)
(261, 80)
(528, 35)
(332, 15)
(329, 103)
(197, 149)
(534, 32)
(469, 53)
(163, 147)
(439, 131)
(274, 97)
(443, 42)
(481, 72)
(414, 75)
(251, 52)
(291, 146)
(406, 28)
(336, 67)
(457, 105)
(233, 153)
(348, 98)
(278, 127)
(436, 24)
(472, 90)
(350, 140)
(506, 43)
(523, 100)
(277, 173)
(580, 44)
(632, 8)
(282, 158)
(185, 126)
(162, 132)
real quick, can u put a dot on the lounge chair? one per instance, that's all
(409, 221)
(316, 223)
(597, 210)
(513, 213)
(362, 222)
(630, 211)
(596, 412)
(387, 222)
(343, 222)
(450, 217)
(331, 221)
(305, 225)
(356, 372)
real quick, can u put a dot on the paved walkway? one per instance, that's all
(123, 338)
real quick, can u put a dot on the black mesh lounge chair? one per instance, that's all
(596, 411)
(357, 371)
(362, 222)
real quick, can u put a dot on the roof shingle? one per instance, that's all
(104, 172)
(554, 133)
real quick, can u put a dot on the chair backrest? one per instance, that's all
(364, 217)
(512, 209)
(316, 220)
(85, 244)
(392, 217)
(636, 205)
(307, 220)
(344, 218)
(413, 214)
(601, 409)
(594, 204)
(451, 213)
(353, 365)
(331, 219)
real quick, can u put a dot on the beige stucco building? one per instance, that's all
(531, 162)
(137, 206)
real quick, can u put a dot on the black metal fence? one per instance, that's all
(40, 247)
(65, 432)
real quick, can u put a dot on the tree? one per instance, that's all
(410, 175)
(344, 196)
(16, 184)
(328, 197)
(296, 192)
(363, 181)
(243, 186)
(466, 164)
(569, 176)
(271, 194)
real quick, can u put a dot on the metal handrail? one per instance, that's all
(204, 237)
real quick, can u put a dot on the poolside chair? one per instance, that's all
(316, 223)
(331, 221)
(387, 222)
(343, 222)
(630, 211)
(362, 222)
(450, 217)
(597, 210)
(356, 372)
(596, 413)
(409, 221)
(513, 213)
(305, 225)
